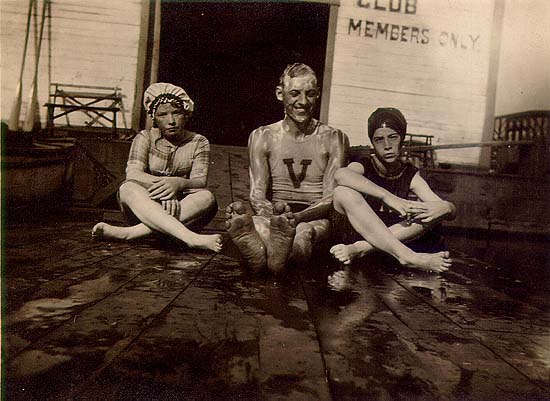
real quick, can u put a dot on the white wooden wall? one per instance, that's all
(440, 86)
(93, 42)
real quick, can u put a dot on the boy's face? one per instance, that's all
(387, 144)
(299, 96)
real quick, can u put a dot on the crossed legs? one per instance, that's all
(365, 221)
(154, 218)
(403, 231)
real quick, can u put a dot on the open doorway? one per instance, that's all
(229, 56)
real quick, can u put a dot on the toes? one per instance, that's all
(97, 230)
(235, 208)
(280, 207)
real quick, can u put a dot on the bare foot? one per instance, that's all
(344, 253)
(283, 230)
(243, 233)
(211, 242)
(104, 230)
(430, 262)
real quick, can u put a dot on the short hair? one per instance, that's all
(296, 70)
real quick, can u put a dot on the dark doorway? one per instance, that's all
(229, 56)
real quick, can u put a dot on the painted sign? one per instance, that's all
(428, 58)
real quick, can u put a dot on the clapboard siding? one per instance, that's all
(440, 86)
(93, 42)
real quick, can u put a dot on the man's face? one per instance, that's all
(170, 120)
(299, 96)
(387, 145)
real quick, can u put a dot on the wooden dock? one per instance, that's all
(150, 320)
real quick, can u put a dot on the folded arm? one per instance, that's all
(166, 187)
(352, 177)
(431, 208)
(338, 153)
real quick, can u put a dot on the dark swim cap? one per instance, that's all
(387, 117)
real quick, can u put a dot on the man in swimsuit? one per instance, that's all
(292, 167)
(358, 203)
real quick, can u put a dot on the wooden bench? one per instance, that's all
(94, 101)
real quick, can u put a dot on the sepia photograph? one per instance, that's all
(298, 200)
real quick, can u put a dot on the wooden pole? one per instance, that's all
(32, 110)
(155, 52)
(141, 65)
(422, 148)
(13, 123)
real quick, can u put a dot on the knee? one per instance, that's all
(127, 191)
(345, 195)
(204, 198)
(304, 230)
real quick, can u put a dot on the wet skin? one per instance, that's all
(327, 147)
(299, 96)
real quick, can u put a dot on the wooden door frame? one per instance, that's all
(148, 55)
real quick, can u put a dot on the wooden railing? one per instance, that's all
(518, 157)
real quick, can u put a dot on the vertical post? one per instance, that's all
(494, 58)
(329, 58)
(141, 65)
(155, 50)
(156, 43)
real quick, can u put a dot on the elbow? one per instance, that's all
(200, 182)
(339, 176)
(130, 174)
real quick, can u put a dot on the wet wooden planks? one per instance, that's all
(380, 343)
(128, 323)
(149, 320)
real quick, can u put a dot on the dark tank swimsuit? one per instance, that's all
(398, 184)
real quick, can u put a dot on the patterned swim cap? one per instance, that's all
(387, 117)
(161, 92)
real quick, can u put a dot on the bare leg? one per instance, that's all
(196, 205)
(403, 231)
(283, 230)
(104, 230)
(152, 215)
(191, 207)
(308, 234)
(242, 231)
(372, 229)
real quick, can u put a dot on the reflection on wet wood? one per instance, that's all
(152, 320)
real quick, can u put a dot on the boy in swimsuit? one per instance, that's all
(357, 202)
